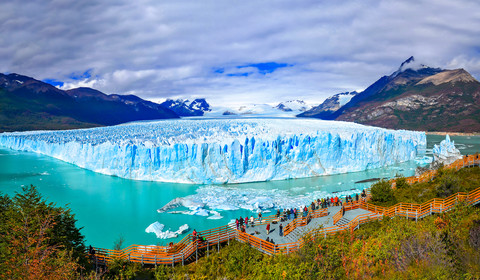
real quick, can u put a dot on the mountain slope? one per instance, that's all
(330, 105)
(436, 103)
(416, 97)
(29, 104)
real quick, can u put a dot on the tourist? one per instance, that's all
(280, 230)
(268, 228)
(241, 221)
(305, 211)
(288, 214)
(252, 220)
(237, 223)
(356, 197)
(260, 217)
(295, 213)
(246, 221)
(291, 212)
(278, 214)
(194, 235)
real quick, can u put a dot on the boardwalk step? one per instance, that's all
(342, 221)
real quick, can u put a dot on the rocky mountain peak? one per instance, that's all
(449, 76)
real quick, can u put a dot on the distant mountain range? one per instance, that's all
(289, 108)
(29, 104)
(186, 108)
(415, 97)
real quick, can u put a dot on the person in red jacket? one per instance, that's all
(268, 228)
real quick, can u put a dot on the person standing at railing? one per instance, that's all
(280, 230)
(194, 235)
(288, 214)
(246, 221)
(237, 223)
(252, 221)
(268, 228)
(295, 212)
(260, 217)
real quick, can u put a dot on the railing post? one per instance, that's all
(218, 242)
(155, 260)
(183, 259)
(173, 261)
(416, 215)
(142, 259)
(196, 252)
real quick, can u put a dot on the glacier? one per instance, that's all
(218, 151)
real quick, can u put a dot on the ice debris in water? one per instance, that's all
(221, 198)
(157, 228)
(219, 151)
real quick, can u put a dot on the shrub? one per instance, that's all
(382, 193)
(402, 183)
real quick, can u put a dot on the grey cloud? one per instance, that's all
(160, 49)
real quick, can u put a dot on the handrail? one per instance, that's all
(181, 251)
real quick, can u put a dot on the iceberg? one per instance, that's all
(157, 228)
(219, 151)
(446, 152)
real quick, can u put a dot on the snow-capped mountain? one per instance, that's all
(186, 108)
(331, 104)
(283, 109)
(293, 105)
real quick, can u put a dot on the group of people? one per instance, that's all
(287, 214)
(242, 223)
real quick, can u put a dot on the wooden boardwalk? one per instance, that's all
(319, 223)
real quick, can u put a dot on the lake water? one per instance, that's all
(109, 207)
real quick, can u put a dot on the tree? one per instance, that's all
(37, 239)
(382, 192)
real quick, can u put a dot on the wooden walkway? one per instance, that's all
(321, 222)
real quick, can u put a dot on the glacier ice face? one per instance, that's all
(446, 152)
(224, 150)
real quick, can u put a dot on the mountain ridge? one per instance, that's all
(30, 104)
(416, 98)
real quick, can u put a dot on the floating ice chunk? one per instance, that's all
(216, 216)
(199, 212)
(157, 228)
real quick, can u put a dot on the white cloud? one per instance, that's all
(160, 49)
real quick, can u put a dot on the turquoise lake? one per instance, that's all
(109, 207)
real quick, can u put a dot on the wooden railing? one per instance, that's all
(185, 249)
(303, 221)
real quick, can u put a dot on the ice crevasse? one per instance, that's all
(224, 150)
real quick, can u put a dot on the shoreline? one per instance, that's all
(453, 133)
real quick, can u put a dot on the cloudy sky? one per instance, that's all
(233, 51)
